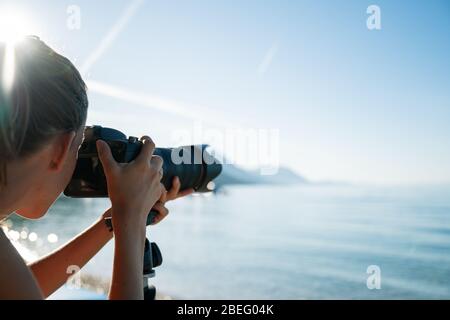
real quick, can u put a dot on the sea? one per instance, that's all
(280, 242)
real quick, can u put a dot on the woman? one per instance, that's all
(43, 109)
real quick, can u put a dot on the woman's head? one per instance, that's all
(42, 115)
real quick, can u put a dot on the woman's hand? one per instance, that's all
(170, 195)
(133, 187)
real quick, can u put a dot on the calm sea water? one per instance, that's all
(303, 242)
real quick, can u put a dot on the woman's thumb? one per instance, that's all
(105, 156)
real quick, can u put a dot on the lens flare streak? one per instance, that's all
(8, 68)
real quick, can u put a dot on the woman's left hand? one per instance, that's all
(172, 194)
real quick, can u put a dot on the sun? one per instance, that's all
(14, 25)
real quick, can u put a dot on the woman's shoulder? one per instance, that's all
(16, 279)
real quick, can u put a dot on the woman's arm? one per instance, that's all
(126, 282)
(51, 272)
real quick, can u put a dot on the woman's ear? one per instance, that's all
(61, 150)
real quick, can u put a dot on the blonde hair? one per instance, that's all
(48, 96)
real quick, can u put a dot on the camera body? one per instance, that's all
(194, 166)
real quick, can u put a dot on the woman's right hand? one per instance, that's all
(133, 187)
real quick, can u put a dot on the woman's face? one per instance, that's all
(54, 169)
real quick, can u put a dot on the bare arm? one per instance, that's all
(17, 282)
(126, 281)
(51, 270)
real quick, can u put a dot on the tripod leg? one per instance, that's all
(149, 293)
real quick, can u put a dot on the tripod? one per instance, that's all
(152, 259)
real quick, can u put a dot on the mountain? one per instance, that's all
(232, 175)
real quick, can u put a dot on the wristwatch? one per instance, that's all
(108, 223)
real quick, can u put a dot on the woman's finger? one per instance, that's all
(148, 146)
(173, 192)
(157, 163)
(163, 197)
(186, 192)
(104, 153)
(162, 212)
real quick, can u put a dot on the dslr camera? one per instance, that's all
(194, 166)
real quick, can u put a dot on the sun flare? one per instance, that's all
(14, 25)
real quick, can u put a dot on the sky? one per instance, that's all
(348, 103)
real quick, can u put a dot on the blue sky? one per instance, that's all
(351, 104)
